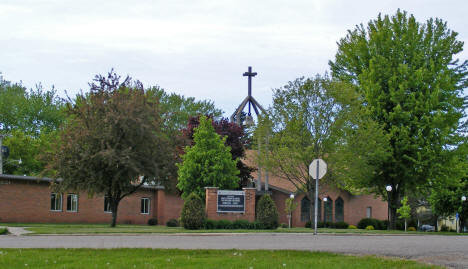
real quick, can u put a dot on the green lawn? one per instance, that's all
(38, 228)
(174, 258)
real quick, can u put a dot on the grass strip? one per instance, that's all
(175, 258)
(47, 228)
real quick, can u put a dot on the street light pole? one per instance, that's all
(290, 211)
(389, 189)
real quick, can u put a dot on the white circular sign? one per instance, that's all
(322, 168)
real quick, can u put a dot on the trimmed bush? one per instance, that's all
(223, 224)
(412, 229)
(341, 225)
(240, 224)
(308, 224)
(193, 212)
(444, 228)
(210, 224)
(172, 223)
(329, 224)
(267, 213)
(370, 227)
(153, 221)
(3, 230)
(352, 227)
(284, 225)
(377, 224)
(257, 225)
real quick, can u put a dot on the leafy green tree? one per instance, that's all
(411, 85)
(30, 121)
(318, 118)
(235, 139)
(207, 163)
(289, 207)
(113, 142)
(28, 153)
(32, 111)
(176, 109)
(404, 210)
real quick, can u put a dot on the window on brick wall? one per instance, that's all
(107, 207)
(328, 210)
(145, 203)
(56, 202)
(305, 210)
(369, 212)
(72, 202)
(339, 209)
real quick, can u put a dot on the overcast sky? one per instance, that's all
(194, 48)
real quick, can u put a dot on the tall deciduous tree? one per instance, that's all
(318, 118)
(235, 139)
(208, 163)
(113, 143)
(411, 84)
(30, 119)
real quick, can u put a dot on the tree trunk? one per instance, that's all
(114, 207)
(405, 225)
(394, 199)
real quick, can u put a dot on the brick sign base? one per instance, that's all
(212, 203)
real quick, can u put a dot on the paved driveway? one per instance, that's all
(451, 251)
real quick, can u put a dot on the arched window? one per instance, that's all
(339, 209)
(328, 210)
(305, 209)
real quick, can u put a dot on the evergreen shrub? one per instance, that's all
(240, 224)
(267, 213)
(370, 227)
(172, 223)
(210, 224)
(377, 224)
(341, 225)
(412, 229)
(352, 227)
(223, 224)
(153, 221)
(193, 212)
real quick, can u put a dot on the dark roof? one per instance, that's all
(46, 179)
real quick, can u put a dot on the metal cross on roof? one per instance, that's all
(249, 99)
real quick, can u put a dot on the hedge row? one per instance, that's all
(237, 224)
(328, 224)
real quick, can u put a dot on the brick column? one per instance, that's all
(211, 196)
(249, 203)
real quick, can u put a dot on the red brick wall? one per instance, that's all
(211, 202)
(23, 201)
(354, 206)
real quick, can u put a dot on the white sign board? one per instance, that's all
(322, 168)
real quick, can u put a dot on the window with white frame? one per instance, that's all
(107, 206)
(56, 202)
(369, 212)
(72, 202)
(145, 204)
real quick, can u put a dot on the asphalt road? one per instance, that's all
(451, 251)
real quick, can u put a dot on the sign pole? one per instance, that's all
(316, 199)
